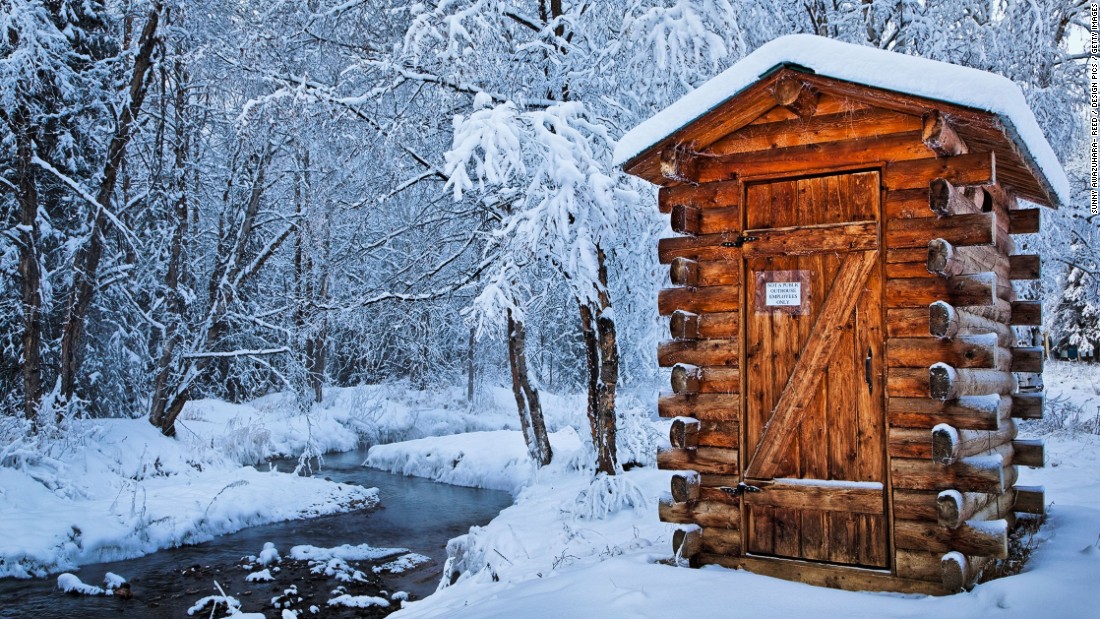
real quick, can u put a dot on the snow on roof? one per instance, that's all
(862, 65)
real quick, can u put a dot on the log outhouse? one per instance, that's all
(844, 336)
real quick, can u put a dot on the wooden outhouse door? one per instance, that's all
(814, 426)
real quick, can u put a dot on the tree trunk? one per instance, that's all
(175, 304)
(86, 260)
(527, 397)
(312, 286)
(470, 367)
(602, 360)
(29, 267)
(231, 271)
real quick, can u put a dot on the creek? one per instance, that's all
(414, 513)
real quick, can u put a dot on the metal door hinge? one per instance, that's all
(741, 240)
(741, 488)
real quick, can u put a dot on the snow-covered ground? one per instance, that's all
(572, 543)
(574, 546)
(116, 488)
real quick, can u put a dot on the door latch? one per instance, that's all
(867, 369)
(741, 488)
(740, 240)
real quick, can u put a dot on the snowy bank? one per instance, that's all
(117, 488)
(495, 460)
(274, 425)
(111, 489)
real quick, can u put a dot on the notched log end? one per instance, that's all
(940, 137)
(955, 572)
(942, 320)
(680, 163)
(684, 325)
(687, 541)
(941, 382)
(796, 95)
(940, 254)
(945, 444)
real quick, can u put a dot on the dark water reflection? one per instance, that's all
(416, 514)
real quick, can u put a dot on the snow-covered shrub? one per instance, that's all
(637, 439)
(246, 443)
(606, 495)
(1064, 413)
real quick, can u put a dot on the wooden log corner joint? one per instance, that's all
(845, 376)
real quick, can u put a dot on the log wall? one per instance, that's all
(952, 358)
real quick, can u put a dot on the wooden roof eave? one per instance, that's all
(1019, 168)
(716, 123)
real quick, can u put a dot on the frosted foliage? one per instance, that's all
(550, 169)
(1079, 311)
(637, 438)
(684, 38)
(447, 28)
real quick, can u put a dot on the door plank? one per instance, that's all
(808, 371)
(805, 240)
(831, 496)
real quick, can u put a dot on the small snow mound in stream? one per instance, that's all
(71, 583)
(263, 575)
(402, 564)
(358, 601)
(347, 552)
(232, 605)
(269, 555)
(113, 580)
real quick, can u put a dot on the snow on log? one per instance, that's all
(948, 322)
(959, 572)
(953, 508)
(689, 379)
(987, 473)
(986, 538)
(1029, 452)
(685, 487)
(679, 163)
(684, 325)
(945, 260)
(702, 513)
(950, 444)
(685, 378)
(684, 272)
(1030, 500)
(684, 433)
(948, 383)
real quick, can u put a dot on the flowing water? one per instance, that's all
(415, 513)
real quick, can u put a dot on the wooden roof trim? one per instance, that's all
(709, 128)
(646, 164)
(990, 125)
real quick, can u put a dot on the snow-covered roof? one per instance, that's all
(867, 66)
